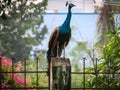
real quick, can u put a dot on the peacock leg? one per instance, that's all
(57, 49)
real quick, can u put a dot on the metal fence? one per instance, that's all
(83, 73)
(95, 73)
(25, 72)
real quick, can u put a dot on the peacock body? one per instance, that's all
(60, 36)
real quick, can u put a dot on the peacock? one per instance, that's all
(60, 37)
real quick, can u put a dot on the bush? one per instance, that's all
(12, 80)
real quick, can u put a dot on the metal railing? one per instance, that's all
(83, 73)
(95, 73)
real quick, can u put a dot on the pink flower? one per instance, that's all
(14, 76)
(0, 57)
(19, 79)
(7, 63)
(19, 66)
(5, 85)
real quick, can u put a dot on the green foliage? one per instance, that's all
(18, 80)
(77, 54)
(108, 21)
(12, 80)
(110, 62)
(40, 60)
(76, 81)
(112, 49)
(22, 28)
(42, 66)
(4, 4)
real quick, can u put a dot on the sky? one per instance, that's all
(83, 23)
(83, 20)
(84, 30)
(84, 6)
(84, 27)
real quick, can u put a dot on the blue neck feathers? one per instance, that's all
(68, 18)
(65, 27)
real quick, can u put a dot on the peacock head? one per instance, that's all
(70, 5)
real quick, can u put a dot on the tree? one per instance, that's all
(22, 28)
(77, 53)
(109, 62)
(106, 22)
(4, 4)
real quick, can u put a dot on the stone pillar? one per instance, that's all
(60, 74)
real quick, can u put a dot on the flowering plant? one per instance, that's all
(10, 79)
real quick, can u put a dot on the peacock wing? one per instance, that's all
(53, 38)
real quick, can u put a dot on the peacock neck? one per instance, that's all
(68, 18)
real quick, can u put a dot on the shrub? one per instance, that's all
(12, 80)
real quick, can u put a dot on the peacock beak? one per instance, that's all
(70, 4)
(74, 5)
(66, 4)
